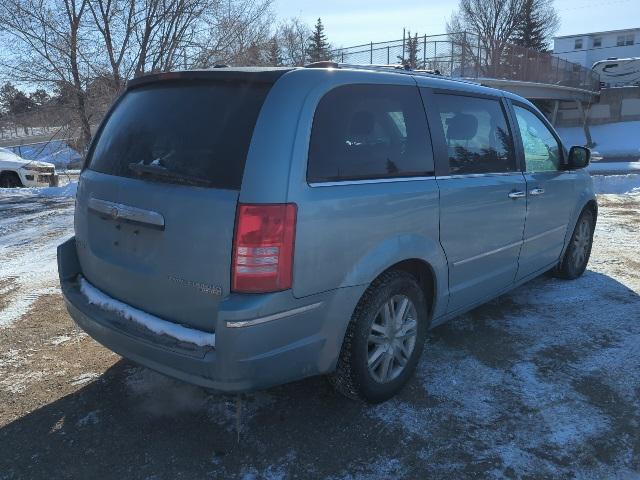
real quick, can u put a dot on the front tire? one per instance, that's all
(576, 257)
(384, 339)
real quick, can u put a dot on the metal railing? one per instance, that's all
(465, 55)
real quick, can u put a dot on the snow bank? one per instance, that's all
(619, 139)
(621, 167)
(617, 184)
(68, 190)
(155, 324)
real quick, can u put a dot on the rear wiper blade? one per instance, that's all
(162, 172)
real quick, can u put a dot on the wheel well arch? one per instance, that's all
(593, 206)
(423, 273)
(10, 174)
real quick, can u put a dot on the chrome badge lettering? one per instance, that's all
(203, 287)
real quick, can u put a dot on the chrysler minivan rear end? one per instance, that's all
(182, 259)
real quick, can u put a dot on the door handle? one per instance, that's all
(118, 211)
(517, 194)
(536, 191)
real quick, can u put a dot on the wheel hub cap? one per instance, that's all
(392, 338)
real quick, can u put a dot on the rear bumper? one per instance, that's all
(286, 344)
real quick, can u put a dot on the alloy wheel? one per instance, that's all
(581, 242)
(392, 338)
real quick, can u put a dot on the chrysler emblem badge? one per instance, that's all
(114, 213)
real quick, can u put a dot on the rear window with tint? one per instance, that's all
(369, 132)
(194, 133)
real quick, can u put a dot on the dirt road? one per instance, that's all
(541, 383)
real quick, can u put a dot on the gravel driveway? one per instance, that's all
(540, 383)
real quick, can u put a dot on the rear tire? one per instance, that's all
(10, 180)
(384, 339)
(576, 257)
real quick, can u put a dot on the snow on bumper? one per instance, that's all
(151, 322)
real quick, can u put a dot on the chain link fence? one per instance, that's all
(465, 55)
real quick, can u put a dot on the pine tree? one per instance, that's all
(14, 101)
(319, 48)
(253, 55)
(410, 58)
(274, 54)
(538, 21)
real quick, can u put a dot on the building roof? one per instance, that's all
(590, 34)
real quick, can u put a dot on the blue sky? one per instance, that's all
(361, 21)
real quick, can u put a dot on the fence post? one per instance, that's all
(371, 54)
(452, 52)
(388, 60)
(434, 64)
(464, 46)
(341, 56)
(478, 59)
(424, 52)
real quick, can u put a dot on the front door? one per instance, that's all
(549, 194)
(482, 199)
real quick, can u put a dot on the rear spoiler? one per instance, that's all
(225, 74)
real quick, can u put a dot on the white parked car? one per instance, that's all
(15, 171)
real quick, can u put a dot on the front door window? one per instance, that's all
(542, 151)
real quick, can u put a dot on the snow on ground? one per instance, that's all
(33, 222)
(67, 190)
(616, 184)
(619, 139)
(540, 383)
(611, 168)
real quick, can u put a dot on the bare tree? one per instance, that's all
(115, 21)
(44, 39)
(294, 40)
(232, 32)
(493, 22)
(85, 50)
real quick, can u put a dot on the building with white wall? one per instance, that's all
(588, 48)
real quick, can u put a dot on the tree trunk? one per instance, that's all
(81, 106)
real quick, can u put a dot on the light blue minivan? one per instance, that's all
(239, 228)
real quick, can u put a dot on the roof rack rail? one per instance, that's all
(323, 64)
(396, 67)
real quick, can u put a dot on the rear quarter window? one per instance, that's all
(369, 132)
(194, 132)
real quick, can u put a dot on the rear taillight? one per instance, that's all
(263, 248)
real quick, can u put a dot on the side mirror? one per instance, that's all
(579, 157)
